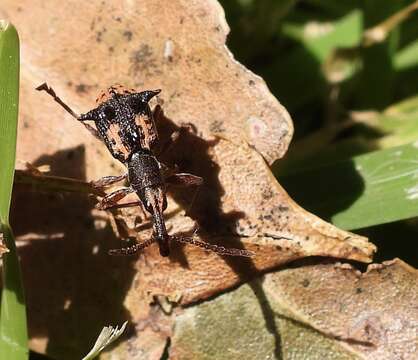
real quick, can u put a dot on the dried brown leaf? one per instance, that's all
(322, 311)
(178, 46)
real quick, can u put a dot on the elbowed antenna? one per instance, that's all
(50, 91)
(220, 250)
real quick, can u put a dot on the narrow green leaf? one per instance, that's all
(372, 189)
(13, 331)
(407, 57)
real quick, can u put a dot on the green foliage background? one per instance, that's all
(348, 96)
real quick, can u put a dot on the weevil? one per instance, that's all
(125, 123)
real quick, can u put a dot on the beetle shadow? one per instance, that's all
(73, 288)
(191, 154)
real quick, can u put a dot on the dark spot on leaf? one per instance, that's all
(216, 126)
(305, 283)
(267, 194)
(251, 82)
(143, 62)
(81, 88)
(359, 290)
(127, 34)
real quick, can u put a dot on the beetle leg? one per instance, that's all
(112, 199)
(108, 180)
(184, 179)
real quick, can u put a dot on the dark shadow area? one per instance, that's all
(190, 153)
(292, 72)
(37, 356)
(73, 287)
(324, 192)
(397, 239)
(269, 317)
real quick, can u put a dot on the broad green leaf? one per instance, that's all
(376, 188)
(13, 332)
(369, 131)
(321, 37)
(297, 76)
(407, 57)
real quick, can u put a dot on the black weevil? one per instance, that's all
(125, 123)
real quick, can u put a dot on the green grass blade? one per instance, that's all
(371, 189)
(13, 330)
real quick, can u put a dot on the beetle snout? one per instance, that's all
(149, 94)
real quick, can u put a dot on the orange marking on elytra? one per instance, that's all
(117, 143)
(147, 129)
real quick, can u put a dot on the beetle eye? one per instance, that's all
(109, 113)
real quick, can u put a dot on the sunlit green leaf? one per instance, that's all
(376, 188)
(13, 332)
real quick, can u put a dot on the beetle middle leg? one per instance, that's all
(108, 180)
(112, 199)
(186, 179)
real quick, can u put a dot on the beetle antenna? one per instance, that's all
(221, 250)
(51, 92)
(131, 250)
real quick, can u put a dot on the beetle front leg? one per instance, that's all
(183, 180)
(112, 199)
